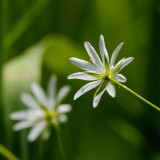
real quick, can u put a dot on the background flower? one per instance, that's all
(44, 110)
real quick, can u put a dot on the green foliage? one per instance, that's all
(38, 38)
(6, 153)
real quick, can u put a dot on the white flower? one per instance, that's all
(99, 71)
(43, 110)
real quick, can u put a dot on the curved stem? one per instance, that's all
(134, 93)
(6, 153)
(59, 138)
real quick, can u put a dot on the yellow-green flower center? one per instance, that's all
(103, 76)
(50, 115)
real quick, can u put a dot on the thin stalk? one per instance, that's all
(6, 153)
(134, 93)
(59, 138)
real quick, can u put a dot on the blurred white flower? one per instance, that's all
(99, 71)
(43, 110)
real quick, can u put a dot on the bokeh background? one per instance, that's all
(37, 38)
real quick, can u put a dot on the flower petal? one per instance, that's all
(22, 125)
(51, 92)
(29, 101)
(46, 134)
(84, 65)
(30, 114)
(52, 87)
(111, 90)
(39, 93)
(36, 131)
(115, 53)
(115, 69)
(97, 99)
(63, 108)
(94, 56)
(62, 118)
(63, 93)
(81, 75)
(120, 78)
(86, 88)
(19, 115)
(103, 49)
(125, 63)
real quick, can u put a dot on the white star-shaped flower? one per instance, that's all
(99, 71)
(43, 110)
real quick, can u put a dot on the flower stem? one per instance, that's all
(59, 138)
(6, 153)
(134, 93)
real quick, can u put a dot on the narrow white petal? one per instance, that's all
(39, 93)
(62, 118)
(81, 75)
(97, 99)
(30, 114)
(115, 53)
(125, 63)
(111, 90)
(117, 65)
(63, 93)
(52, 87)
(86, 88)
(22, 125)
(36, 131)
(46, 134)
(51, 92)
(29, 101)
(120, 78)
(94, 56)
(63, 108)
(84, 65)
(103, 49)
(19, 115)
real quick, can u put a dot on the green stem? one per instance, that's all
(6, 153)
(59, 138)
(134, 93)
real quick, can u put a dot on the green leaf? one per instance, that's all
(53, 52)
(58, 52)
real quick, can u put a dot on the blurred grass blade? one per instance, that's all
(3, 19)
(3, 27)
(7, 154)
(21, 71)
(17, 76)
(126, 131)
(25, 21)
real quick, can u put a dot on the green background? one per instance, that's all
(37, 38)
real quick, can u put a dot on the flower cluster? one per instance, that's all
(43, 110)
(100, 71)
